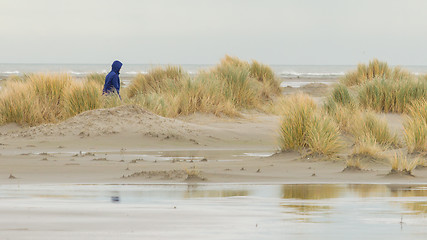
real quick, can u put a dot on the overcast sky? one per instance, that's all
(202, 31)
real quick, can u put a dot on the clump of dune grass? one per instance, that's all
(342, 107)
(98, 78)
(80, 97)
(19, 105)
(34, 101)
(369, 125)
(384, 95)
(366, 147)
(375, 69)
(323, 136)
(265, 74)
(364, 73)
(303, 126)
(238, 86)
(254, 75)
(297, 116)
(49, 98)
(421, 163)
(341, 95)
(415, 127)
(401, 166)
(353, 165)
(159, 79)
(344, 116)
(226, 89)
(194, 174)
(49, 89)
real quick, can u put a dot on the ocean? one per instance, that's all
(289, 73)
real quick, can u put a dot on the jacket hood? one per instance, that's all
(116, 66)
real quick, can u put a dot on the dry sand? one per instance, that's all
(128, 144)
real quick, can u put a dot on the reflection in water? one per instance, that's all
(304, 194)
(417, 203)
(193, 191)
(368, 190)
(220, 211)
(311, 191)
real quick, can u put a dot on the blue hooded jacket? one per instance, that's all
(112, 80)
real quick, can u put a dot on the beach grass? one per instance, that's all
(226, 89)
(353, 163)
(401, 165)
(18, 105)
(49, 98)
(415, 127)
(374, 70)
(158, 79)
(368, 148)
(384, 95)
(98, 78)
(80, 97)
(369, 125)
(341, 95)
(303, 126)
(34, 101)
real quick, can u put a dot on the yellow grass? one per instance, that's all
(367, 147)
(303, 126)
(343, 115)
(375, 69)
(400, 163)
(167, 79)
(415, 127)
(368, 124)
(224, 90)
(49, 98)
(354, 163)
(387, 95)
(98, 78)
(80, 97)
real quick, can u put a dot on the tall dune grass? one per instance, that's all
(415, 127)
(304, 127)
(34, 101)
(49, 98)
(169, 78)
(82, 97)
(366, 146)
(98, 78)
(400, 164)
(230, 87)
(18, 105)
(375, 69)
(369, 125)
(342, 107)
(391, 96)
(227, 88)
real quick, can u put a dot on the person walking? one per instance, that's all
(112, 80)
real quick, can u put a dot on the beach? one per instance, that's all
(125, 172)
(114, 145)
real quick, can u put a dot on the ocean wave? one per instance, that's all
(285, 84)
(312, 74)
(78, 73)
(10, 72)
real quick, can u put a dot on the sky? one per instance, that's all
(293, 32)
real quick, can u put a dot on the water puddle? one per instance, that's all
(214, 211)
(157, 156)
